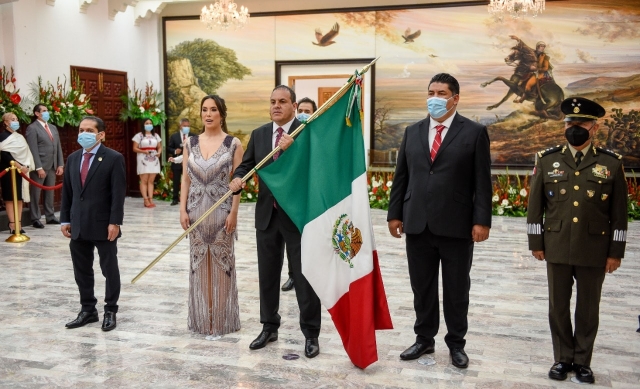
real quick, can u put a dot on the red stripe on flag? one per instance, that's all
(359, 313)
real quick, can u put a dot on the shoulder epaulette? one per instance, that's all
(609, 152)
(548, 151)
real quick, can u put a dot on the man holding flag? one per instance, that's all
(274, 228)
(321, 184)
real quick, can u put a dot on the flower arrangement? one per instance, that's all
(379, 186)
(66, 105)
(9, 97)
(250, 192)
(508, 199)
(143, 105)
(633, 198)
(164, 185)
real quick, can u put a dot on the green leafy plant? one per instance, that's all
(164, 184)
(142, 105)
(510, 195)
(67, 104)
(379, 186)
(9, 96)
(633, 198)
(250, 192)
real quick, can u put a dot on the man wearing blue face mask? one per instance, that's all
(44, 142)
(92, 211)
(174, 148)
(577, 223)
(441, 200)
(306, 108)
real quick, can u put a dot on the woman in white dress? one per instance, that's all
(148, 145)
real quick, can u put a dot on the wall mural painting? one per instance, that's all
(513, 73)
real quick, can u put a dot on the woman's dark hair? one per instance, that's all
(222, 108)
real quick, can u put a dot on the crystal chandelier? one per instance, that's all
(516, 8)
(224, 14)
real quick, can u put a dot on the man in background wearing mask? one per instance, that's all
(577, 222)
(174, 148)
(45, 146)
(92, 210)
(306, 107)
(441, 200)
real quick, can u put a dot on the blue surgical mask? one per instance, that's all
(46, 116)
(303, 117)
(438, 106)
(87, 140)
(15, 126)
(148, 127)
(185, 130)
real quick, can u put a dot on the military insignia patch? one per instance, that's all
(591, 193)
(556, 164)
(347, 239)
(604, 196)
(563, 191)
(601, 171)
(550, 193)
(576, 110)
(556, 173)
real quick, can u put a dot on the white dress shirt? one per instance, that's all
(432, 128)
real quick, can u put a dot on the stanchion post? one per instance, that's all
(17, 237)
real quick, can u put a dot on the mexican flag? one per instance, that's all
(321, 183)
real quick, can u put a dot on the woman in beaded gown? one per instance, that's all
(208, 162)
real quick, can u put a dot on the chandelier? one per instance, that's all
(224, 14)
(516, 8)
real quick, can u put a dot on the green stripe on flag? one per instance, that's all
(316, 171)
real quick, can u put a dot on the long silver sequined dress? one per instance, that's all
(213, 293)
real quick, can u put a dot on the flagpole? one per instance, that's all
(259, 165)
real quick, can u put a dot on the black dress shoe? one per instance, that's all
(109, 321)
(53, 221)
(559, 371)
(311, 347)
(417, 350)
(174, 202)
(459, 358)
(288, 285)
(82, 319)
(37, 224)
(262, 340)
(584, 374)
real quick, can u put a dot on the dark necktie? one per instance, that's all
(85, 167)
(579, 156)
(437, 141)
(278, 137)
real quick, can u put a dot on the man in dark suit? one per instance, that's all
(45, 146)
(92, 210)
(174, 148)
(577, 222)
(274, 229)
(441, 200)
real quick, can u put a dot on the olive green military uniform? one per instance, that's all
(577, 215)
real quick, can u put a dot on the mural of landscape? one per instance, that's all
(593, 53)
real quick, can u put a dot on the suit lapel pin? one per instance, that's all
(99, 159)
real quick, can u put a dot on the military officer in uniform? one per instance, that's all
(581, 192)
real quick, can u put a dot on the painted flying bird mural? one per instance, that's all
(409, 37)
(433, 56)
(327, 39)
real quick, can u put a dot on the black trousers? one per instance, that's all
(271, 244)
(176, 168)
(425, 252)
(82, 258)
(571, 346)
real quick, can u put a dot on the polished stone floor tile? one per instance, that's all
(508, 341)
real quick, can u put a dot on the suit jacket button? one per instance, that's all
(575, 203)
(81, 198)
(575, 219)
(576, 187)
(577, 173)
(431, 172)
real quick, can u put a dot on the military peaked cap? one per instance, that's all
(581, 109)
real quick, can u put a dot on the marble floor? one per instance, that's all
(508, 341)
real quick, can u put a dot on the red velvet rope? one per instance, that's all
(2, 173)
(32, 182)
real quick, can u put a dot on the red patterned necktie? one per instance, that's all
(46, 127)
(85, 167)
(278, 137)
(437, 141)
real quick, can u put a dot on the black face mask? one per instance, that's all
(576, 135)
